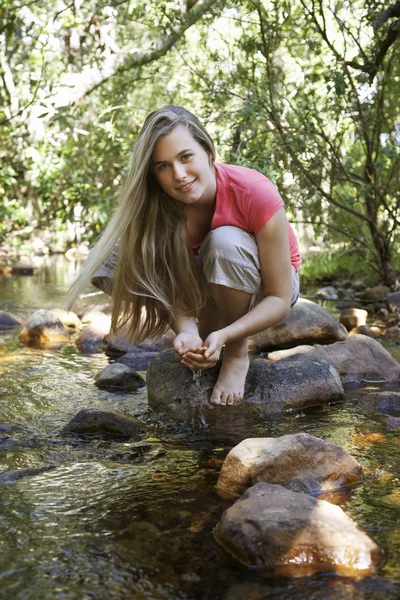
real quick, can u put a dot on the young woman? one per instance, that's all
(202, 247)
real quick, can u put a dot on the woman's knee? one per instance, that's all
(228, 241)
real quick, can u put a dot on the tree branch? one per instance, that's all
(159, 49)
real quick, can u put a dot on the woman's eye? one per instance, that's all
(162, 167)
(187, 156)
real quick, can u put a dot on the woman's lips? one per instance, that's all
(187, 187)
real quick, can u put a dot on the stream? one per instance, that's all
(107, 520)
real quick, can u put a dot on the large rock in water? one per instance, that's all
(271, 387)
(44, 329)
(359, 357)
(291, 534)
(300, 462)
(306, 323)
(103, 424)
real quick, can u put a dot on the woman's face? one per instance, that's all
(182, 168)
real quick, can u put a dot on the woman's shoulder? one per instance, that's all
(242, 177)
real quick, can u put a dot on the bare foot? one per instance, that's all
(229, 388)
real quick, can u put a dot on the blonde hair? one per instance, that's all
(155, 271)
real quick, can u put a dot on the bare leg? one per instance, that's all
(229, 388)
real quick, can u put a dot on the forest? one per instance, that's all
(305, 91)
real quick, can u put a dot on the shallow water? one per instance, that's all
(103, 519)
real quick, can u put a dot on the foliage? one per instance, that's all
(305, 92)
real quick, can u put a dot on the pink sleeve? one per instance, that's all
(263, 202)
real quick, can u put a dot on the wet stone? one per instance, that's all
(358, 358)
(300, 462)
(387, 403)
(291, 534)
(119, 377)
(306, 323)
(138, 360)
(16, 474)
(44, 329)
(10, 321)
(289, 384)
(103, 424)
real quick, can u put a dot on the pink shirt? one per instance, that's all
(247, 199)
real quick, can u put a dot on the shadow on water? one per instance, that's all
(107, 519)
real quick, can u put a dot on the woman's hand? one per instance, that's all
(187, 342)
(209, 354)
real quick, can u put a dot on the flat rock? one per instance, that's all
(10, 321)
(300, 462)
(359, 357)
(44, 329)
(376, 293)
(289, 534)
(119, 376)
(387, 403)
(306, 323)
(103, 424)
(271, 387)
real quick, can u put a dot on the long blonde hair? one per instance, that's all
(155, 271)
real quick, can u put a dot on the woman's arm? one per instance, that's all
(276, 276)
(187, 338)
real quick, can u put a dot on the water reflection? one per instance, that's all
(100, 519)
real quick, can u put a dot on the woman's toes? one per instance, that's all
(230, 399)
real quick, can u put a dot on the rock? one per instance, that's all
(387, 403)
(300, 462)
(327, 293)
(16, 474)
(103, 424)
(90, 340)
(94, 316)
(279, 354)
(118, 376)
(353, 317)
(5, 271)
(67, 318)
(138, 360)
(271, 387)
(307, 323)
(359, 357)
(393, 301)
(118, 345)
(22, 269)
(44, 329)
(393, 332)
(10, 321)
(379, 292)
(371, 332)
(77, 252)
(290, 534)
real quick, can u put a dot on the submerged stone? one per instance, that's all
(102, 423)
(290, 534)
(289, 384)
(300, 462)
(118, 376)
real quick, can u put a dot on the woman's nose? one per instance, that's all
(179, 171)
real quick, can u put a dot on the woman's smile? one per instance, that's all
(183, 168)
